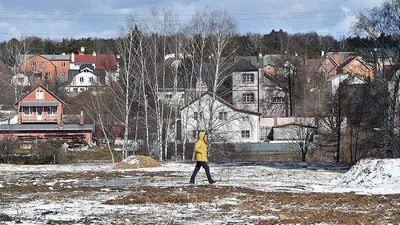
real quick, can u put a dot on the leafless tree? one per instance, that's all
(286, 84)
(385, 20)
(126, 88)
(99, 107)
(14, 54)
(7, 145)
(302, 138)
(255, 43)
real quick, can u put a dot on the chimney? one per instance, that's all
(305, 59)
(94, 53)
(61, 124)
(234, 59)
(82, 51)
(322, 53)
(54, 56)
(81, 120)
(260, 61)
(72, 57)
(275, 120)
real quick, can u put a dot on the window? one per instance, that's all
(277, 100)
(245, 134)
(47, 75)
(27, 110)
(41, 64)
(248, 78)
(248, 98)
(198, 115)
(194, 134)
(52, 110)
(246, 118)
(33, 64)
(39, 95)
(223, 116)
(81, 79)
(75, 89)
(62, 64)
(63, 74)
(168, 96)
(91, 79)
(20, 80)
(268, 68)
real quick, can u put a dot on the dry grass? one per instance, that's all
(287, 208)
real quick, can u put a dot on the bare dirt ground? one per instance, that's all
(181, 204)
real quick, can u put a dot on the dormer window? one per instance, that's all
(39, 95)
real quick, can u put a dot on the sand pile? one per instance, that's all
(137, 161)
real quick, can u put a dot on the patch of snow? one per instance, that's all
(374, 176)
(133, 160)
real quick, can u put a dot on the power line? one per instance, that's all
(120, 20)
(148, 15)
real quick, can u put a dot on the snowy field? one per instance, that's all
(247, 193)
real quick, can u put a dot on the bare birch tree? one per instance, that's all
(375, 23)
(14, 54)
(126, 88)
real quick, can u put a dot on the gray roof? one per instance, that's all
(244, 65)
(45, 127)
(101, 74)
(281, 134)
(51, 57)
(38, 103)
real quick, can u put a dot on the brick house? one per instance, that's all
(42, 67)
(334, 63)
(40, 116)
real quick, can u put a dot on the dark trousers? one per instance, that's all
(200, 164)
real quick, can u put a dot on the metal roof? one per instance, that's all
(39, 103)
(45, 127)
(50, 57)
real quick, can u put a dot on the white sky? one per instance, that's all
(102, 18)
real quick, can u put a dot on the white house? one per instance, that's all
(85, 79)
(225, 122)
(334, 81)
(247, 90)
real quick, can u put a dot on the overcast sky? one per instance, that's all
(102, 18)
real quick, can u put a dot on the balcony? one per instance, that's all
(39, 118)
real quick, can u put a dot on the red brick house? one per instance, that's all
(334, 63)
(40, 116)
(42, 67)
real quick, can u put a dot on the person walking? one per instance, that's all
(201, 158)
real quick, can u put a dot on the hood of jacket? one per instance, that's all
(202, 136)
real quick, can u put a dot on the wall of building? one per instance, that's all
(239, 88)
(229, 130)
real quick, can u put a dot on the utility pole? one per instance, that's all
(338, 124)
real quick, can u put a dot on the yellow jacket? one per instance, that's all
(201, 148)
